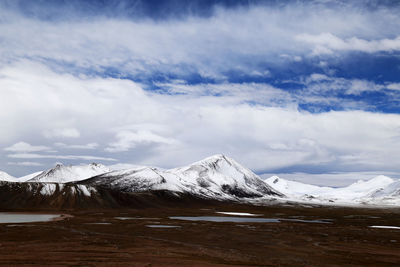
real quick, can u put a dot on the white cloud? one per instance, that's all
(317, 83)
(85, 146)
(127, 140)
(43, 97)
(233, 93)
(63, 133)
(326, 43)
(317, 77)
(394, 86)
(358, 86)
(291, 57)
(25, 163)
(71, 157)
(151, 127)
(25, 147)
(208, 45)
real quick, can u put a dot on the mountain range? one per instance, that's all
(380, 190)
(216, 178)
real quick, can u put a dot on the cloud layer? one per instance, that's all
(169, 130)
(291, 87)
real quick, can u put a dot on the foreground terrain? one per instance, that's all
(304, 236)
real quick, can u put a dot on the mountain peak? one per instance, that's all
(217, 177)
(381, 178)
(95, 164)
(6, 177)
(71, 173)
(371, 184)
(215, 158)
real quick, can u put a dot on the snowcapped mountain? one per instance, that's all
(29, 176)
(66, 174)
(293, 188)
(378, 190)
(363, 188)
(392, 190)
(216, 177)
(6, 177)
(389, 195)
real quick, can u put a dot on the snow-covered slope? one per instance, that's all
(65, 174)
(361, 188)
(219, 173)
(215, 177)
(389, 194)
(378, 190)
(392, 190)
(6, 177)
(29, 176)
(293, 188)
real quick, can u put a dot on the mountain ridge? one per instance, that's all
(70, 173)
(379, 190)
(217, 177)
(6, 177)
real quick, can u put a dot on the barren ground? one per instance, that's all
(347, 241)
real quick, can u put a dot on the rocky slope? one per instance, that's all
(217, 177)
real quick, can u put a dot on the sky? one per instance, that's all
(303, 88)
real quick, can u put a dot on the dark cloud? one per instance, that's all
(166, 9)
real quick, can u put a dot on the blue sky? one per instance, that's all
(281, 86)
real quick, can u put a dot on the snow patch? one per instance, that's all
(87, 191)
(385, 227)
(48, 189)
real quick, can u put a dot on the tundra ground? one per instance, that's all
(127, 237)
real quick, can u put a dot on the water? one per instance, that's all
(162, 226)
(238, 213)
(135, 218)
(243, 219)
(225, 219)
(307, 221)
(99, 223)
(25, 218)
